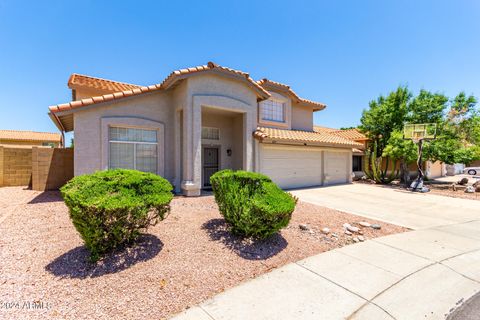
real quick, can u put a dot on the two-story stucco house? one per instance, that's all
(198, 121)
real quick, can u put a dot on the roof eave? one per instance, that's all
(306, 143)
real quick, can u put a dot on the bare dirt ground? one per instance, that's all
(180, 262)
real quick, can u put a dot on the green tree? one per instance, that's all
(399, 149)
(458, 130)
(385, 115)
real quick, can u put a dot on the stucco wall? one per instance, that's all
(88, 138)
(302, 118)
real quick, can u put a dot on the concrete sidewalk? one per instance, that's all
(414, 275)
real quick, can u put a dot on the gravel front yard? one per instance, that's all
(184, 260)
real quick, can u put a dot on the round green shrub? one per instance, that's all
(111, 208)
(251, 203)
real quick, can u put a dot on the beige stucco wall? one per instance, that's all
(155, 107)
(302, 117)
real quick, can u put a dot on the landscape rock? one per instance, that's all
(334, 235)
(303, 227)
(361, 238)
(376, 226)
(355, 239)
(326, 230)
(348, 233)
(469, 189)
(364, 224)
(353, 229)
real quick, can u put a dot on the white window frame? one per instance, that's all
(134, 143)
(265, 119)
(211, 128)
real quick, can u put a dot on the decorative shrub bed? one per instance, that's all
(251, 203)
(111, 208)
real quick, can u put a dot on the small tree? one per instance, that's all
(385, 115)
(401, 150)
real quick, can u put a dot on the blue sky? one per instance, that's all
(342, 53)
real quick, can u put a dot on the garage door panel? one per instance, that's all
(292, 167)
(336, 167)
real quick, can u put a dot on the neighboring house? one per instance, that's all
(16, 138)
(198, 121)
(432, 169)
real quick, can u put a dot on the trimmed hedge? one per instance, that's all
(111, 208)
(251, 203)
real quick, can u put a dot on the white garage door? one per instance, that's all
(291, 167)
(336, 167)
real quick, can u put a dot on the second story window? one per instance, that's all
(272, 110)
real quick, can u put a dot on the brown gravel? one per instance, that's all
(443, 189)
(182, 261)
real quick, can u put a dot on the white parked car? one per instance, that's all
(472, 170)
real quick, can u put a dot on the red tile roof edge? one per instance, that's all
(165, 84)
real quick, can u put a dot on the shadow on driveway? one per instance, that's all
(218, 230)
(75, 263)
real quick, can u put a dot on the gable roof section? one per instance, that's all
(169, 82)
(309, 137)
(283, 88)
(82, 81)
(17, 135)
(212, 67)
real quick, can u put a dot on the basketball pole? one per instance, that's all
(419, 165)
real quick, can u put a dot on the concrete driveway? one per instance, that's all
(404, 208)
(422, 274)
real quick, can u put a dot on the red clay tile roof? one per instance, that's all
(180, 74)
(263, 133)
(167, 83)
(352, 134)
(79, 80)
(321, 129)
(29, 136)
(277, 86)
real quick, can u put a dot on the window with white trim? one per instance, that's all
(210, 133)
(132, 148)
(272, 110)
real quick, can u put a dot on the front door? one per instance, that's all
(210, 164)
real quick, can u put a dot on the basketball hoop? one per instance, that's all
(419, 133)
